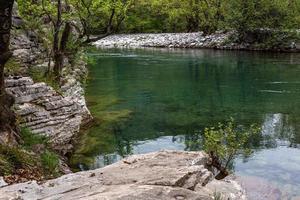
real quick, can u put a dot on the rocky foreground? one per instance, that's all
(164, 175)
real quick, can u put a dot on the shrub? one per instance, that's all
(225, 143)
(12, 158)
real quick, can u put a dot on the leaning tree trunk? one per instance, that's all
(7, 117)
(216, 163)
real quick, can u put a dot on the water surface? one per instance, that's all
(148, 100)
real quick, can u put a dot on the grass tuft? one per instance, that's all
(30, 139)
(50, 162)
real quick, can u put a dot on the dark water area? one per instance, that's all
(148, 100)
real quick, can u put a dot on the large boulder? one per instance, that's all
(166, 175)
(47, 112)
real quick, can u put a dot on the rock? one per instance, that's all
(74, 90)
(2, 183)
(169, 40)
(217, 40)
(229, 188)
(46, 112)
(166, 175)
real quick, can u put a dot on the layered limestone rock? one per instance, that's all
(72, 88)
(165, 175)
(40, 108)
(46, 112)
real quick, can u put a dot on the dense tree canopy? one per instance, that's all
(211, 15)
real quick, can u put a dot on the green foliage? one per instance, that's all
(12, 67)
(155, 16)
(30, 139)
(211, 15)
(39, 75)
(23, 156)
(12, 158)
(96, 17)
(249, 15)
(49, 159)
(226, 142)
(50, 162)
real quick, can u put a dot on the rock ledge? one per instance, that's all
(46, 112)
(174, 175)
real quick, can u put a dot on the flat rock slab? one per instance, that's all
(174, 175)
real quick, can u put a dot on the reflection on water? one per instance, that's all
(174, 94)
(276, 127)
(279, 166)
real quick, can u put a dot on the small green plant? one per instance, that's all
(12, 158)
(28, 156)
(50, 162)
(13, 67)
(225, 143)
(39, 75)
(30, 139)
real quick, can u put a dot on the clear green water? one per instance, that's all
(147, 100)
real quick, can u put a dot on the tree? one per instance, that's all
(102, 17)
(7, 117)
(175, 16)
(224, 143)
(250, 16)
(71, 22)
(44, 16)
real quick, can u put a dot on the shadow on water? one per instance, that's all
(147, 100)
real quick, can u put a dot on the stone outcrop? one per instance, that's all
(218, 40)
(166, 175)
(46, 112)
(72, 88)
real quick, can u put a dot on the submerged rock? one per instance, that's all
(161, 175)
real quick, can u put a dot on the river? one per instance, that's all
(148, 100)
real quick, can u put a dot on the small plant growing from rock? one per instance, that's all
(225, 142)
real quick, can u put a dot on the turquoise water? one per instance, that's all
(173, 94)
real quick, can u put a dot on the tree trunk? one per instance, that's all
(215, 162)
(7, 117)
(65, 37)
(57, 55)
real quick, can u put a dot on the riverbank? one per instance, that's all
(50, 113)
(219, 40)
(159, 175)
